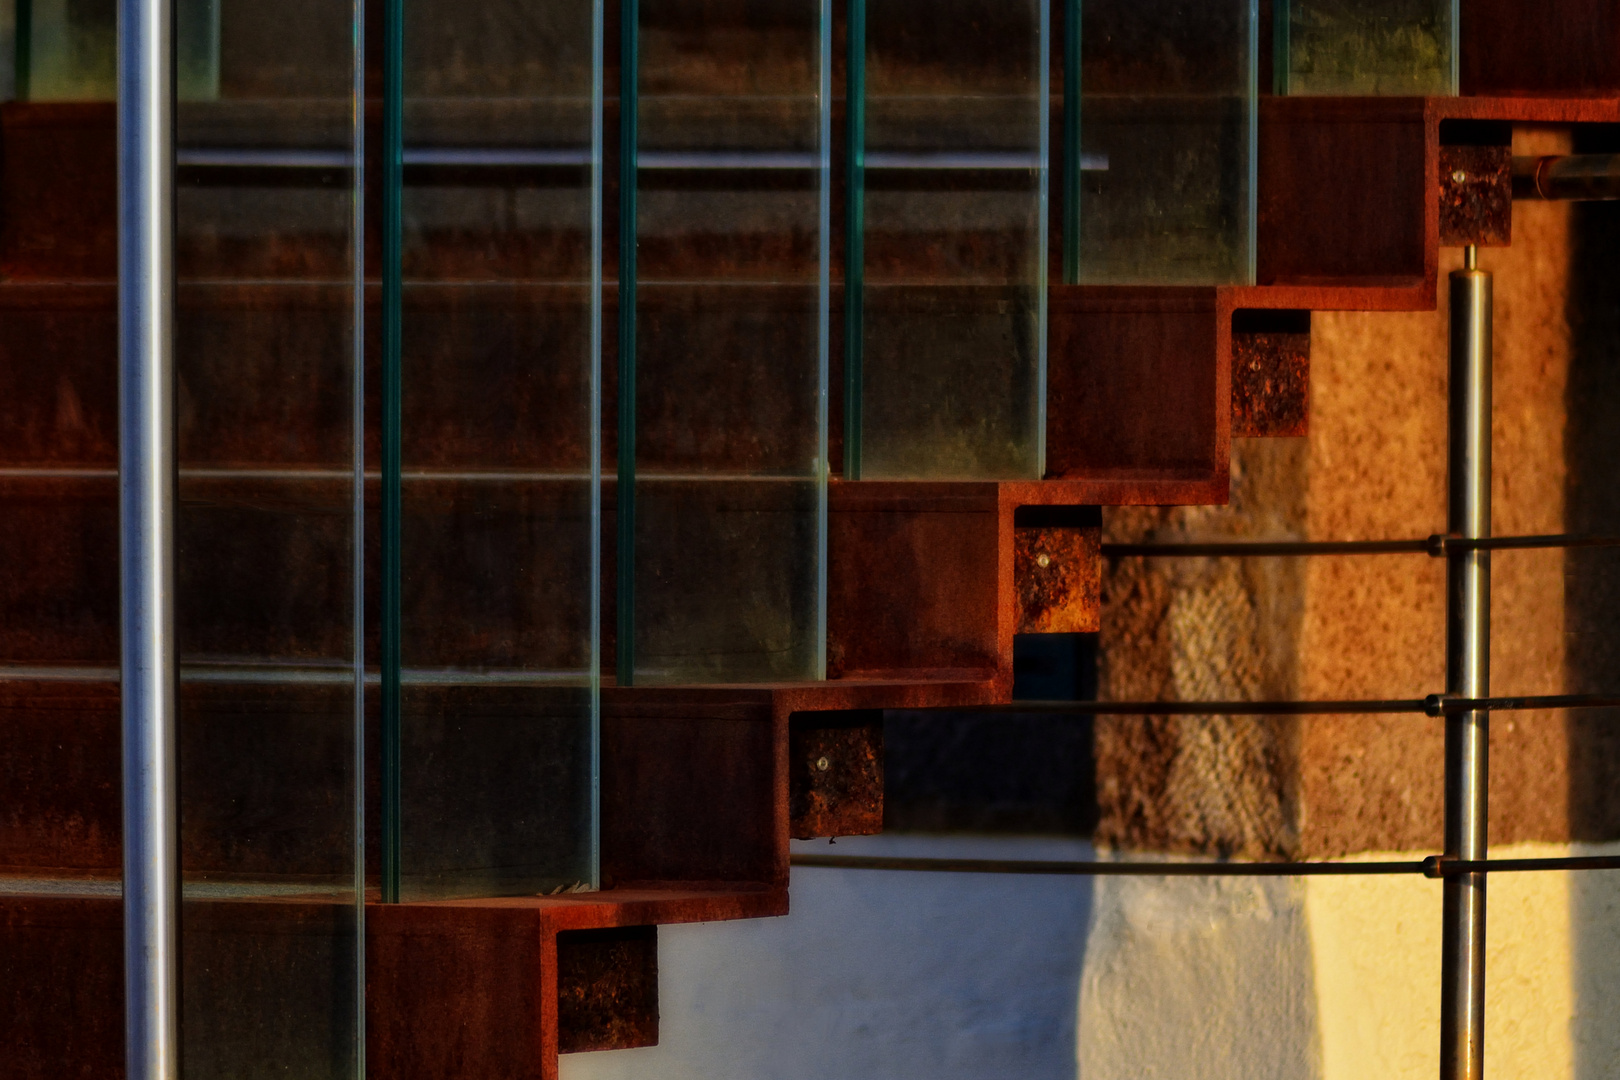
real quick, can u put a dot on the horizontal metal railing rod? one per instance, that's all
(1414, 706)
(1433, 705)
(1103, 868)
(1441, 704)
(1434, 866)
(1267, 548)
(1437, 545)
(1573, 177)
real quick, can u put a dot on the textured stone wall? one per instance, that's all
(1372, 467)
(1338, 977)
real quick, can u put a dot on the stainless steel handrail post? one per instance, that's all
(1468, 673)
(146, 499)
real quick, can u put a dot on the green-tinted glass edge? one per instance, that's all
(357, 510)
(1282, 17)
(393, 166)
(1071, 142)
(1043, 228)
(22, 48)
(824, 333)
(598, 21)
(854, 236)
(1252, 230)
(1456, 47)
(625, 494)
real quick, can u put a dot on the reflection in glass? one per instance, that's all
(722, 468)
(1164, 171)
(66, 50)
(268, 529)
(489, 650)
(945, 260)
(1366, 47)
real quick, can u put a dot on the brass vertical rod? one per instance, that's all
(1468, 647)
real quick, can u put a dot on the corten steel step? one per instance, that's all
(492, 988)
(264, 482)
(701, 788)
(697, 801)
(1357, 195)
(699, 775)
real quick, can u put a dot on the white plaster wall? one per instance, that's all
(1337, 978)
(1594, 909)
(1192, 978)
(1377, 948)
(877, 976)
(909, 976)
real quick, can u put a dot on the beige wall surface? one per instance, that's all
(1353, 963)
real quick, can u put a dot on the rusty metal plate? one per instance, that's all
(1056, 572)
(1476, 196)
(1271, 376)
(607, 989)
(835, 774)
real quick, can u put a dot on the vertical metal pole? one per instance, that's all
(146, 496)
(1468, 673)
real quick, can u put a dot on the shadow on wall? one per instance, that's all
(1592, 606)
(877, 976)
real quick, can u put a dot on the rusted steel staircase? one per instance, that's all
(701, 786)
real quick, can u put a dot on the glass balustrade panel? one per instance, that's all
(1164, 173)
(269, 527)
(722, 484)
(1356, 47)
(496, 543)
(945, 300)
(66, 50)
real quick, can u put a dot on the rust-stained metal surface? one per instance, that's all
(1476, 196)
(835, 774)
(911, 582)
(1134, 383)
(1340, 190)
(58, 191)
(62, 987)
(512, 968)
(685, 790)
(607, 988)
(1271, 374)
(1057, 571)
(1517, 47)
(487, 994)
